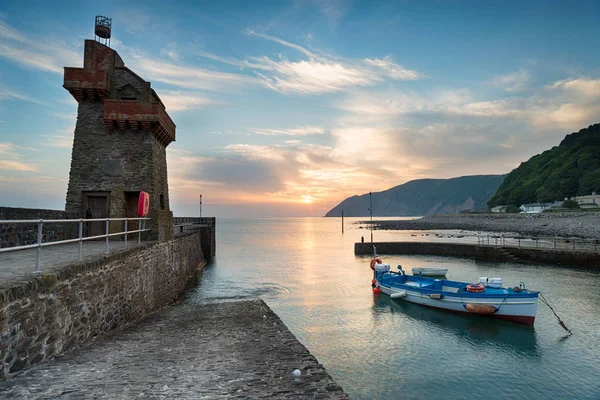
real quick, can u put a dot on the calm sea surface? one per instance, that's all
(306, 271)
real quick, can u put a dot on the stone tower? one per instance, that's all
(119, 148)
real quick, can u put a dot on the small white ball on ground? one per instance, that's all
(296, 373)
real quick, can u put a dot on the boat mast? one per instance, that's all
(371, 211)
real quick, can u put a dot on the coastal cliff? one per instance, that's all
(424, 197)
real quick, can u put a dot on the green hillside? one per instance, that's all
(570, 169)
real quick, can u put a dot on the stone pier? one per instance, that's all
(227, 350)
(484, 252)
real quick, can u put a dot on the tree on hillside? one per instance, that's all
(572, 204)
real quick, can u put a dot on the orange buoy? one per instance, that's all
(376, 290)
(475, 288)
(375, 261)
(373, 281)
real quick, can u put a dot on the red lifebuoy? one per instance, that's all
(143, 204)
(475, 287)
(375, 261)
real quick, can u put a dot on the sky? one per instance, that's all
(285, 108)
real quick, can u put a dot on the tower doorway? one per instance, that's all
(95, 205)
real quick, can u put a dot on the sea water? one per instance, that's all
(376, 348)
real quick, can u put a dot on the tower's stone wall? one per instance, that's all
(119, 148)
(103, 162)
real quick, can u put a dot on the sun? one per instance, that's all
(307, 199)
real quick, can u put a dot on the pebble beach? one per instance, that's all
(580, 224)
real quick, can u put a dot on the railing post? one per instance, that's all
(573, 244)
(139, 230)
(39, 248)
(80, 237)
(107, 223)
(125, 232)
(554, 243)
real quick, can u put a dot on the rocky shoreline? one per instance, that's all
(581, 224)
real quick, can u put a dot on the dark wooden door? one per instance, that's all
(96, 207)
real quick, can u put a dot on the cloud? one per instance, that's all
(253, 152)
(309, 77)
(187, 77)
(585, 87)
(300, 131)
(10, 158)
(43, 54)
(389, 103)
(394, 71)
(182, 101)
(170, 52)
(251, 32)
(320, 73)
(6, 94)
(513, 82)
(565, 104)
(17, 166)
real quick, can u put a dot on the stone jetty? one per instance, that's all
(224, 350)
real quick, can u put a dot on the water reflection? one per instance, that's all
(477, 331)
(307, 272)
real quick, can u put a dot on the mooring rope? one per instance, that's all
(560, 322)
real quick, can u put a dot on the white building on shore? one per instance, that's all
(534, 208)
(590, 201)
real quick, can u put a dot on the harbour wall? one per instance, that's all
(483, 252)
(47, 314)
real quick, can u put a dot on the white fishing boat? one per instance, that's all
(487, 297)
(430, 271)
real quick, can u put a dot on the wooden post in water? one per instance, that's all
(342, 221)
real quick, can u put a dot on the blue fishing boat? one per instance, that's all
(486, 297)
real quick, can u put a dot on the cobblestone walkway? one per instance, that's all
(217, 351)
(17, 266)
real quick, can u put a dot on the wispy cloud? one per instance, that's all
(170, 52)
(309, 77)
(394, 71)
(251, 32)
(513, 82)
(182, 101)
(186, 76)
(17, 166)
(322, 74)
(35, 53)
(300, 131)
(6, 94)
(10, 158)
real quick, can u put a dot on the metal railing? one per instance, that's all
(107, 235)
(546, 243)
